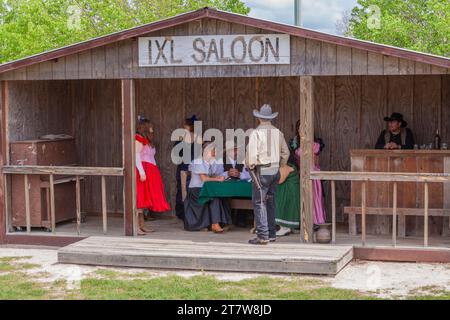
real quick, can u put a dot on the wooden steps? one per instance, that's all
(210, 256)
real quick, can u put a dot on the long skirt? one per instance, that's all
(150, 193)
(319, 208)
(200, 216)
(287, 199)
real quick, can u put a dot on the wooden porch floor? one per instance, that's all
(169, 228)
(170, 247)
(209, 256)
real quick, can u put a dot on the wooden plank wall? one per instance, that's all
(97, 121)
(410, 194)
(88, 110)
(3, 158)
(349, 114)
(350, 111)
(221, 103)
(39, 108)
(308, 57)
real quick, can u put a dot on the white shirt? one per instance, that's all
(210, 169)
(267, 146)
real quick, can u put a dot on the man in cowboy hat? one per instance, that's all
(397, 136)
(266, 151)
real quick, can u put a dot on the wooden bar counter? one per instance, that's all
(410, 197)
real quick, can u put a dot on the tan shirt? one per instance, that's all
(267, 146)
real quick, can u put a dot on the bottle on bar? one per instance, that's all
(437, 140)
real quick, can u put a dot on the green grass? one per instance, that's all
(14, 264)
(429, 293)
(105, 284)
(112, 284)
(16, 286)
(207, 287)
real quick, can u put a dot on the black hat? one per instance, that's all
(397, 117)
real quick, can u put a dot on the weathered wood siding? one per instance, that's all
(348, 113)
(3, 157)
(308, 57)
(88, 110)
(38, 108)
(221, 103)
(350, 110)
(410, 194)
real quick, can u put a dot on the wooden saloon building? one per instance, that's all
(340, 88)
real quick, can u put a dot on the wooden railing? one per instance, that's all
(364, 178)
(53, 171)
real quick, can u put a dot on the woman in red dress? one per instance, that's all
(149, 184)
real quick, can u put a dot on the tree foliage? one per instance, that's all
(421, 25)
(28, 27)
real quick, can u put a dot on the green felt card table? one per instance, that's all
(227, 189)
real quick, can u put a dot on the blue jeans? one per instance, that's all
(264, 206)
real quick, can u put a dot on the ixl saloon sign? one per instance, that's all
(214, 50)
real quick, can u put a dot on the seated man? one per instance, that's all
(397, 136)
(233, 169)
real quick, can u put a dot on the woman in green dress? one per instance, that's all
(287, 200)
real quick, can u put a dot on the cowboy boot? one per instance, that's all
(142, 226)
(139, 230)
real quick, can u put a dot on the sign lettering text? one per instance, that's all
(214, 50)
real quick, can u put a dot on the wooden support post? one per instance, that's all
(27, 203)
(104, 206)
(78, 204)
(402, 226)
(128, 149)
(425, 222)
(363, 213)
(394, 216)
(446, 187)
(333, 211)
(4, 148)
(52, 203)
(7, 201)
(306, 141)
(47, 199)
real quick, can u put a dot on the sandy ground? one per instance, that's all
(387, 280)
